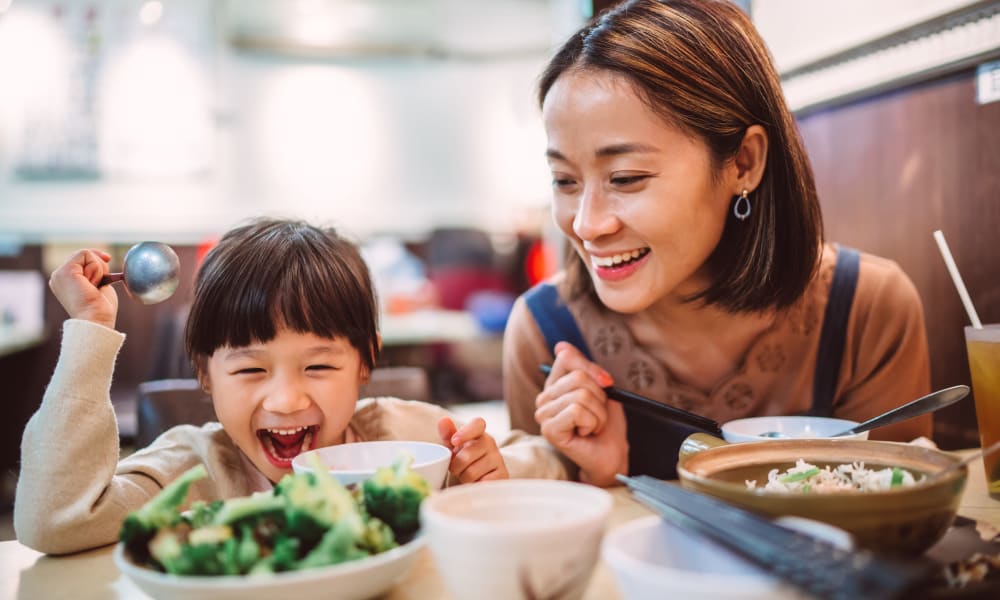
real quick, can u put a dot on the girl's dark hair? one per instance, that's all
(270, 274)
(702, 67)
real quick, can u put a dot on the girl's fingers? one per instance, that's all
(476, 460)
(446, 429)
(472, 430)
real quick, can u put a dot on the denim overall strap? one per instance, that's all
(834, 333)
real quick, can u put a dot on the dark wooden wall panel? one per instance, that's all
(26, 373)
(892, 169)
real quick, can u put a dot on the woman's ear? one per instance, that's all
(750, 160)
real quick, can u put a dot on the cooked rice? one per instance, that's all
(806, 478)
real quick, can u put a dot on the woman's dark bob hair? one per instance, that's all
(272, 274)
(702, 67)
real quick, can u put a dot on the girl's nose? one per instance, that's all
(286, 396)
(594, 215)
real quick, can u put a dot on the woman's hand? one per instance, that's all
(475, 455)
(577, 419)
(75, 286)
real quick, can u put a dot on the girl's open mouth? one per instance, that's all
(282, 445)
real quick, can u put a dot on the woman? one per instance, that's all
(698, 274)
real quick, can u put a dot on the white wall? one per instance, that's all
(378, 144)
(802, 31)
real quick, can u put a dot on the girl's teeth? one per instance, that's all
(286, 431)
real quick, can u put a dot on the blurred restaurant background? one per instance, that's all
(412, 126)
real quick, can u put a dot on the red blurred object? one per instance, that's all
(456, 284)
(540, 262)
(203, 248)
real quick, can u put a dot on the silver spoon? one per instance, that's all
(925, 404)
(150, 273)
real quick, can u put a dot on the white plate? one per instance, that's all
(352, 580)
(749, 429)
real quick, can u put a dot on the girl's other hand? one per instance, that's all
(75, 286)
(475, 455)
(576, 417)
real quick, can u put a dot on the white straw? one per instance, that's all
(957, 278)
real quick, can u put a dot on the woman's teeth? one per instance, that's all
(617, 259)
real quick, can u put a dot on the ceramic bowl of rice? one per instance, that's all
(883, 493)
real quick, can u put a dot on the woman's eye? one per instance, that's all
(626, 180)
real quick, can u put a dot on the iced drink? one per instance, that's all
(983, 348)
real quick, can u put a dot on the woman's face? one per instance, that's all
(634, 194)
(280, 398)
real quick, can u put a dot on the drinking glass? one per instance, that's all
(983, 349)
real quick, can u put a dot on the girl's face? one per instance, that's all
(634, 194)
(283, 397)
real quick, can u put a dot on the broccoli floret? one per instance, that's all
(161, 511)
(378, 537)
(256, 506)
(316, 501)
(283, 557)
(201, 513)
(394, 494)
(338, 544)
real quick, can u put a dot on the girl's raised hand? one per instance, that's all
(474, 453)
(576, 417)
(75, 286)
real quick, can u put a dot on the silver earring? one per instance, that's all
(741, 210)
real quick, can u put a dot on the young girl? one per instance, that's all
(282, 332)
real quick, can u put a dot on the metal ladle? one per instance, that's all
(150, 273)
(925, 404)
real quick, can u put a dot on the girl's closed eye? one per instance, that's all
(323, 368)
(248, 371)
(562, 182)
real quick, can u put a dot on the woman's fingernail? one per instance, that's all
(605, 379)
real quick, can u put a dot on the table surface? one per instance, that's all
(25, 573)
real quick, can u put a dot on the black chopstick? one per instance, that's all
(656, 409)
(812, 564)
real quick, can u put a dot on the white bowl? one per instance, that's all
(351, 463)
(652, 559)
(516, 539)
(352, 580)
(750, 429)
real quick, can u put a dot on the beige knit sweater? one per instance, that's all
(73, 493)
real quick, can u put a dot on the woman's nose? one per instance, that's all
(286, 396)
(594, 216)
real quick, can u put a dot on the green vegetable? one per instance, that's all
(394, 495)
(897, 477)
(161, 511)
(800, 476)
(307, 520)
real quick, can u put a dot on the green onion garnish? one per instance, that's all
(793, 477)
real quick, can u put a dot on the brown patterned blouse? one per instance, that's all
(885, 361)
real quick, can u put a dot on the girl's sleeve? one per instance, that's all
(68, 498)
(888, 361)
